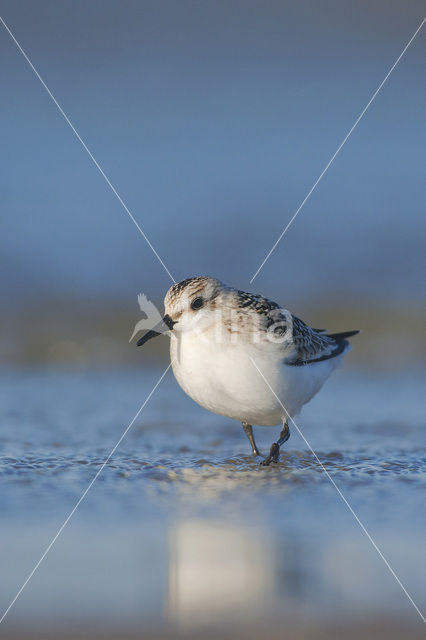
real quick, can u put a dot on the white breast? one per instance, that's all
(222, 378)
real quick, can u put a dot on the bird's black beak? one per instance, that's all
(165, 325)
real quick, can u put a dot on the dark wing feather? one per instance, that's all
(313, 346)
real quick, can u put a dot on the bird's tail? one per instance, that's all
(343, 335)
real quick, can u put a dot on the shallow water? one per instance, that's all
(183, 527)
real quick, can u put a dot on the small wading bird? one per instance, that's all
(229, 350)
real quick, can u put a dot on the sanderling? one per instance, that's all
(222, 338)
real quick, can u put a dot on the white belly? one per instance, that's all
(222, 378)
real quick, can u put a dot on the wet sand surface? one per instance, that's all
(184, 533)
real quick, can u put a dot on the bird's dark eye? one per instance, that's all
(197, 303)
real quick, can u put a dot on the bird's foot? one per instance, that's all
(274, 454)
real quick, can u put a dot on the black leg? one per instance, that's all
(249, 433)
(274, 453)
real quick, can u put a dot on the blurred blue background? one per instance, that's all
(213, 120)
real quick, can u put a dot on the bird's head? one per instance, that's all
(189, 305)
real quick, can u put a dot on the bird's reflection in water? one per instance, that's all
(218, 571)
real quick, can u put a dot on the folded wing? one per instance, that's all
(312, 345)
